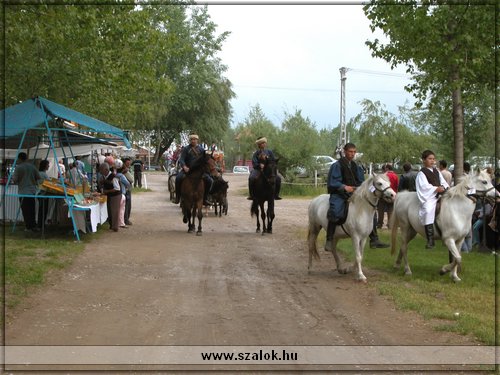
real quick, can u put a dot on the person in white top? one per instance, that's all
(429, 183)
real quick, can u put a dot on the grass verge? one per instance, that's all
(467, 307)
(29, 259)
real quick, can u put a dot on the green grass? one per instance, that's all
(301, 191)
(434, 296)
(140, 190)
(29, 259)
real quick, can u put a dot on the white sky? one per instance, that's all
(273, 50)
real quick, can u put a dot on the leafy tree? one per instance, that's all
(383, 137)
(449, 49)
(297, 142)
(146, 68)
(255, 125)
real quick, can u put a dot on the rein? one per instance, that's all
(382, 191)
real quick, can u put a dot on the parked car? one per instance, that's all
(320, 163)
(241, 169)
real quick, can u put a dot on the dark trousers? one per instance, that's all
(28, 209)
(128, 205)
(43, 208)
(138, 178)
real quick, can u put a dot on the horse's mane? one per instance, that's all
(362, 191)
(462, 187)
(459, 189)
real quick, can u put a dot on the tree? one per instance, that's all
(151, 69)
(297, 142)
(448, 48)
(255, 125)
(383, 137)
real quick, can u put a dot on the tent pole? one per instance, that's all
(69, 200)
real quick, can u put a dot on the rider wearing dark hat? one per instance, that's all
(189, 155)
(258, 167)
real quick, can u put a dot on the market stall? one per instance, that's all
(41, 126)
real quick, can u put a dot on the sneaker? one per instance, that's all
(123, 226)
(128, 223)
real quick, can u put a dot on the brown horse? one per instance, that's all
(264, 190)
(219, 196)
(192, 189)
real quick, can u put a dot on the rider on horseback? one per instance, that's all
(258, 166)
(191, 154)
(430, 182)
(343, 178)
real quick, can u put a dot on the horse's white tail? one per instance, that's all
(311, 240)
(394, 223)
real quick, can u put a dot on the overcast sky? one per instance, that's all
(287, 57)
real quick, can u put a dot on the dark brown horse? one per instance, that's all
(265, 186)
(192, 189)
(219, 196)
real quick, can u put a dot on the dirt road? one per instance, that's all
(155, 284)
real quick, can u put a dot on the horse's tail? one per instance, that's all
(311, 240)
(394, 224)
(254, 209)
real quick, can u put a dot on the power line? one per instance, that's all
(312, 89)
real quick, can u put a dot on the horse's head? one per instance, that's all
(211, 165)
(270, 170)
(479, 183)
(381, 187)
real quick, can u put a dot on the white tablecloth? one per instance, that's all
(98, 215)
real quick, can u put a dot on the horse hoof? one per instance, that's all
(198, 233)
(257, 231)
(184, 220)
(457, 279)
(441, 272)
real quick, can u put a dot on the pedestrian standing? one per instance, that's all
(138, 165)
(27, 177)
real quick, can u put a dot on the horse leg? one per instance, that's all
(312, 236)
(407, 234)
(341, 267)
(457, 261)
(199, 210)
(270, 215)
(358, 245)
(190, 221)
(263, 217)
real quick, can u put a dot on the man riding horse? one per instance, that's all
(190, 156)
(343, 178)
(258, 159)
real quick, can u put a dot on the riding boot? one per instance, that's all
(429, 233)
(208, 188)
(330, 230)
(277, 189)
(251, 189)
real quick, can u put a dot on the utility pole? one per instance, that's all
(343, 130)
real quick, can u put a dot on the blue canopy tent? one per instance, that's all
(35, 115)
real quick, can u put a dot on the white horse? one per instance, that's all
(453, 221)
(359, 222)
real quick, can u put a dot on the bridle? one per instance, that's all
(381, 191)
